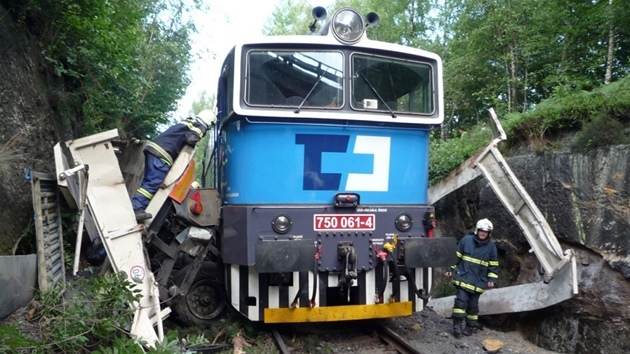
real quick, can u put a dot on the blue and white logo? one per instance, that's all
(329, 164)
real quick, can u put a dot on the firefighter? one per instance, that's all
(160, 153)
(477, 269)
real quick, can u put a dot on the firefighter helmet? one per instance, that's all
(206, 117)
(484, 225)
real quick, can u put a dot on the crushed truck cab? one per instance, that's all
(161, 256)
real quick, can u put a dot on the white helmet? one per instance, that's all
(484, 225)
(206, 117)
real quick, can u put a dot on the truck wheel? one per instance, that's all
(204, 301)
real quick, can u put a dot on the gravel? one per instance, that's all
(427, 332)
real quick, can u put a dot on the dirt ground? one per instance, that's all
(432, 334)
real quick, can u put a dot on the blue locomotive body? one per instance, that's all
(276, 163)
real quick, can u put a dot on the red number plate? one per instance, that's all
(343, 222)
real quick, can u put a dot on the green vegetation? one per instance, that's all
(203, 149)
(446, 155)
(600, 116)
(123, 63)
(91, 317)
(91, 311)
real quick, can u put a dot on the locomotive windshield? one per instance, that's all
(294, 78)
(315, 79)
(380, 83)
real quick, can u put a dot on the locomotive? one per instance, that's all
(320, 157)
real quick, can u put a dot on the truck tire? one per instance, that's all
(204, 301)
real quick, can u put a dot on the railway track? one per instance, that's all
(392, 338)
(282, 347)
(375, 337)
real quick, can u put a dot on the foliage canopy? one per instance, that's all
(124, 62)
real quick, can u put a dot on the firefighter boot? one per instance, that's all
(142, 215)
(457, 327)
(470, 329)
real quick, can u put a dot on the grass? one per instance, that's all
(9, 154)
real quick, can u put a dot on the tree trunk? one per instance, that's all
(511, 69)
(525, 88)
(611, 48)
(508, 82)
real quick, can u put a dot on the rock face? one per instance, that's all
(585, 199)
(27, 126)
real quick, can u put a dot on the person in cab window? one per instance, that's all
(160, 153)
(477, 269)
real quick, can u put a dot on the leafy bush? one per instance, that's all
(601, 118)
(601, 131)
(126, 345)
(92, 313)
(446, 155)
(11, 339)
(93, 310)
(571, 111)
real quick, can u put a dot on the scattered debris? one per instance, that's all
(239, 342)
(492, 345)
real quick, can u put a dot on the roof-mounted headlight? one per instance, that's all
(348, 26)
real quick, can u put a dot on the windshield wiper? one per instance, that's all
(319, 79)
(391, 111)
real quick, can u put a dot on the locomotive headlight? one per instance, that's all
(281, 224)
(404, 222)
(348, 26)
